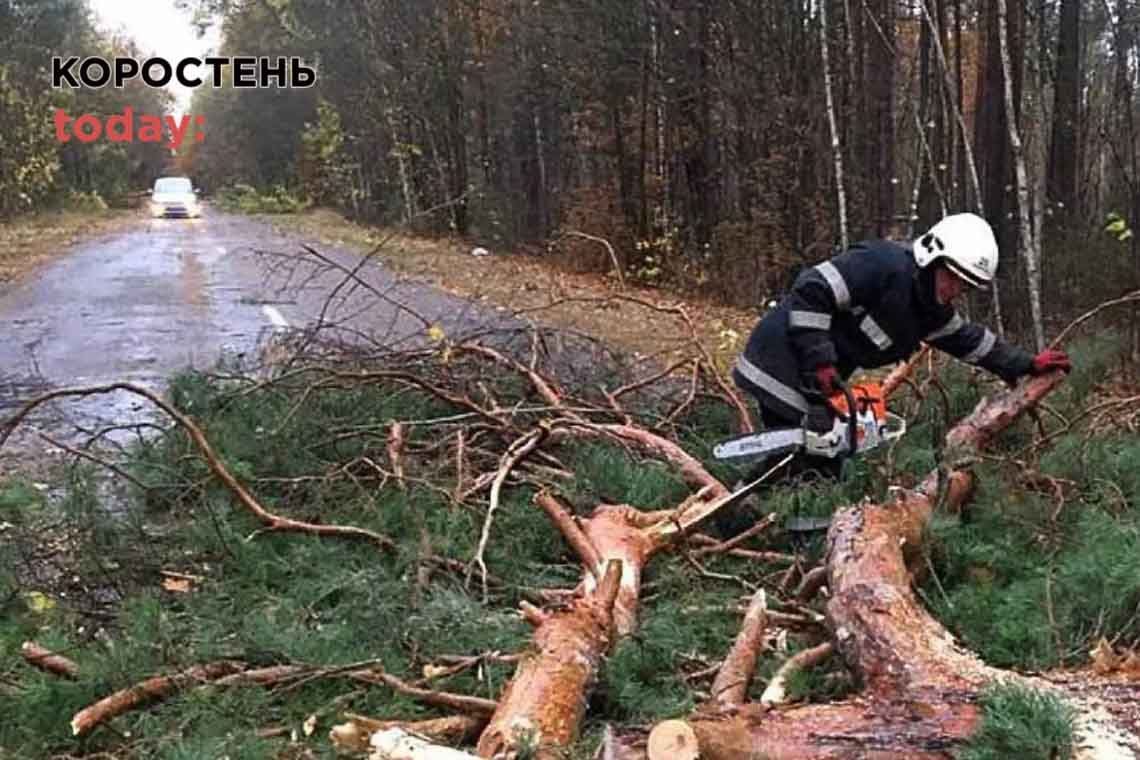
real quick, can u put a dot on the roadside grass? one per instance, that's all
(29, 240)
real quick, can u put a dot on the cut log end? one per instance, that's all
(398, 744)
(673, 740)
(350, 737)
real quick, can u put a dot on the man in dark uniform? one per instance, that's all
(873, 305)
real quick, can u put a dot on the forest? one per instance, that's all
(718, 145)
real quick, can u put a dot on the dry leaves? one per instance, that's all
(1106, 660)
(178, 583)
(39, 603)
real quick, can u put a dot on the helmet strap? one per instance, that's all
(960, 273)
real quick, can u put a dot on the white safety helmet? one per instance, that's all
(965, 243)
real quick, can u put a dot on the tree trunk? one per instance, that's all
(540, 162)
(484, 107)
(1063, 150)
(971, 165)
(401, 166)
(880, 84)
(836, 150)
(455, 52)
(991, 134)
(956, 96)
(1027, 242)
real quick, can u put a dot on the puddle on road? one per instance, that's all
(16, 389)
(117, 419)
(192, 280)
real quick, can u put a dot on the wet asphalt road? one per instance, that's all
(174, 293)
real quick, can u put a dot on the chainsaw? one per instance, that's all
(854, 420)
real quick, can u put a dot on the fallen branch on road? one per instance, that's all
(272, 521)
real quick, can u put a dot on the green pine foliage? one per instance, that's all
(246, 199)
(1021, 722)
(1027, 582)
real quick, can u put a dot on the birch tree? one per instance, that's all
(836, 151)
(1026, 241)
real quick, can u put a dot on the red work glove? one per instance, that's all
(1049, 360)
(827, 378)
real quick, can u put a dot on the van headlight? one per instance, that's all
(156, 209)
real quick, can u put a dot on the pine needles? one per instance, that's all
(1023, 723)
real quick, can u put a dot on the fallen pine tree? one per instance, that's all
(921, 690)
(542, 707)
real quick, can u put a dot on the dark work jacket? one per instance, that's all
(867, 307)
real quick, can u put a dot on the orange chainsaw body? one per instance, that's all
(870, 409)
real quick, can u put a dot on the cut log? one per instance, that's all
(543, 705)
(840, 731)
(673, 740)
(730, 687)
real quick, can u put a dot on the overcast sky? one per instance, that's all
(159, 28)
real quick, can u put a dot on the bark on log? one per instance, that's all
(730, 687)
(613, 531)
(840, 731)
(544, 703)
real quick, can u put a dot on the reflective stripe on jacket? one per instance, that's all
(867, 307)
